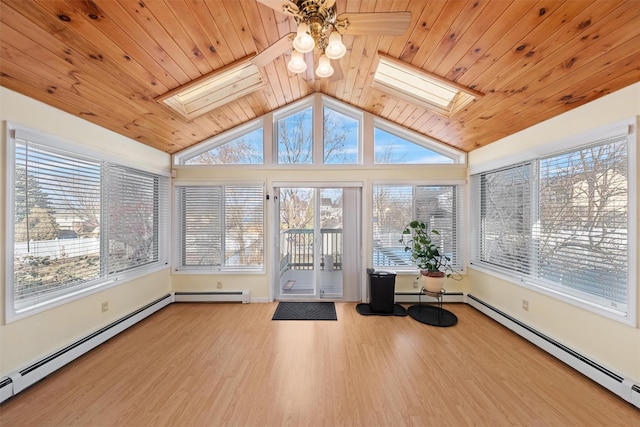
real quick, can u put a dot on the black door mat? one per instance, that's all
(305, 311)
(365, 310)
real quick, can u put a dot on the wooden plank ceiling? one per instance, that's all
(106, 61)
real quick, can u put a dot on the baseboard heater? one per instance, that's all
(20, 380)
(406, 297)
(220, 296)
(623, 387)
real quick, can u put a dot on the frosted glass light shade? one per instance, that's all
(296, 63)
(324, 67)
(335, 49)
(303, 42)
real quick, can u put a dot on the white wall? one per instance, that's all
(608, 342)
(29, 339)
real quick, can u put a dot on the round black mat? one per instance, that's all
(432, 315)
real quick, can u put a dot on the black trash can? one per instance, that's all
(382, 288)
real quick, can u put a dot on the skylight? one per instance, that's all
(215, 89)
(419, 87)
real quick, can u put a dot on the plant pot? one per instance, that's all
(432, 281)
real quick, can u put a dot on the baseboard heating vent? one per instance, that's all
(6, 388)
(47, 365)
(214, 296)
(413, 297)
(623, 387)
(635, 395)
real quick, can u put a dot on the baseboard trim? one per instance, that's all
(614, 382)
(213, 296)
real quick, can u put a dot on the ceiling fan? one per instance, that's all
(320, 30)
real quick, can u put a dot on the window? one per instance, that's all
(241, 146)
(393, 149)
(318, 131)
(560, 223)
(78, 221)
(220, 227)
(295, 138)
(394, 206)
(341, 142)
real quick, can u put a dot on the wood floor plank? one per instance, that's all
(229, 364)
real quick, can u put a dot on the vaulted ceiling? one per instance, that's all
(108, 61)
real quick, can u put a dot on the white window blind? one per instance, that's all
(56, 224)
(505, 224)
(441, 208)
(78, 221)
(200, 226)
(394, 206)
(133, 204)
(220, 227)
(559, 222)
(582, 210)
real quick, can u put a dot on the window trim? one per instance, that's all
(102, 283)
(626, 127)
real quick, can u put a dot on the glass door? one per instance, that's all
(310, 243)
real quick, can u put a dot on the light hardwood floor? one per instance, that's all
(230, 364)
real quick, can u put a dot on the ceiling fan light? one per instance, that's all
(303, 42)
(335, 49)
(296, 63)
(324, 67)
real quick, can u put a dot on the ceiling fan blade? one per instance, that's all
(280, 5)
(374, 23)
(273, 51)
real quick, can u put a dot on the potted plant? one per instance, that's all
(434, 266)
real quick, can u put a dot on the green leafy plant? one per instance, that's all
(424, 251)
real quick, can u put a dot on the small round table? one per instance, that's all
(432, 315)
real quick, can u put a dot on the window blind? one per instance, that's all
(200, 226)
(440, 206)
(244, 226)
(78, 219)
(57, 222)
(505, 226)
(220, 226)
(392, 211)
(582, 238)
(560, 222)
(133, 205)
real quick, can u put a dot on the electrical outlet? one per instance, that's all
(525, 305)
(219, 285)
(105, 306)
(415, 284)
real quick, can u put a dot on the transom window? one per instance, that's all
(392, 149)
(318, 131)
(295, 138)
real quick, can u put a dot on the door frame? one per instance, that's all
(274, 277)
